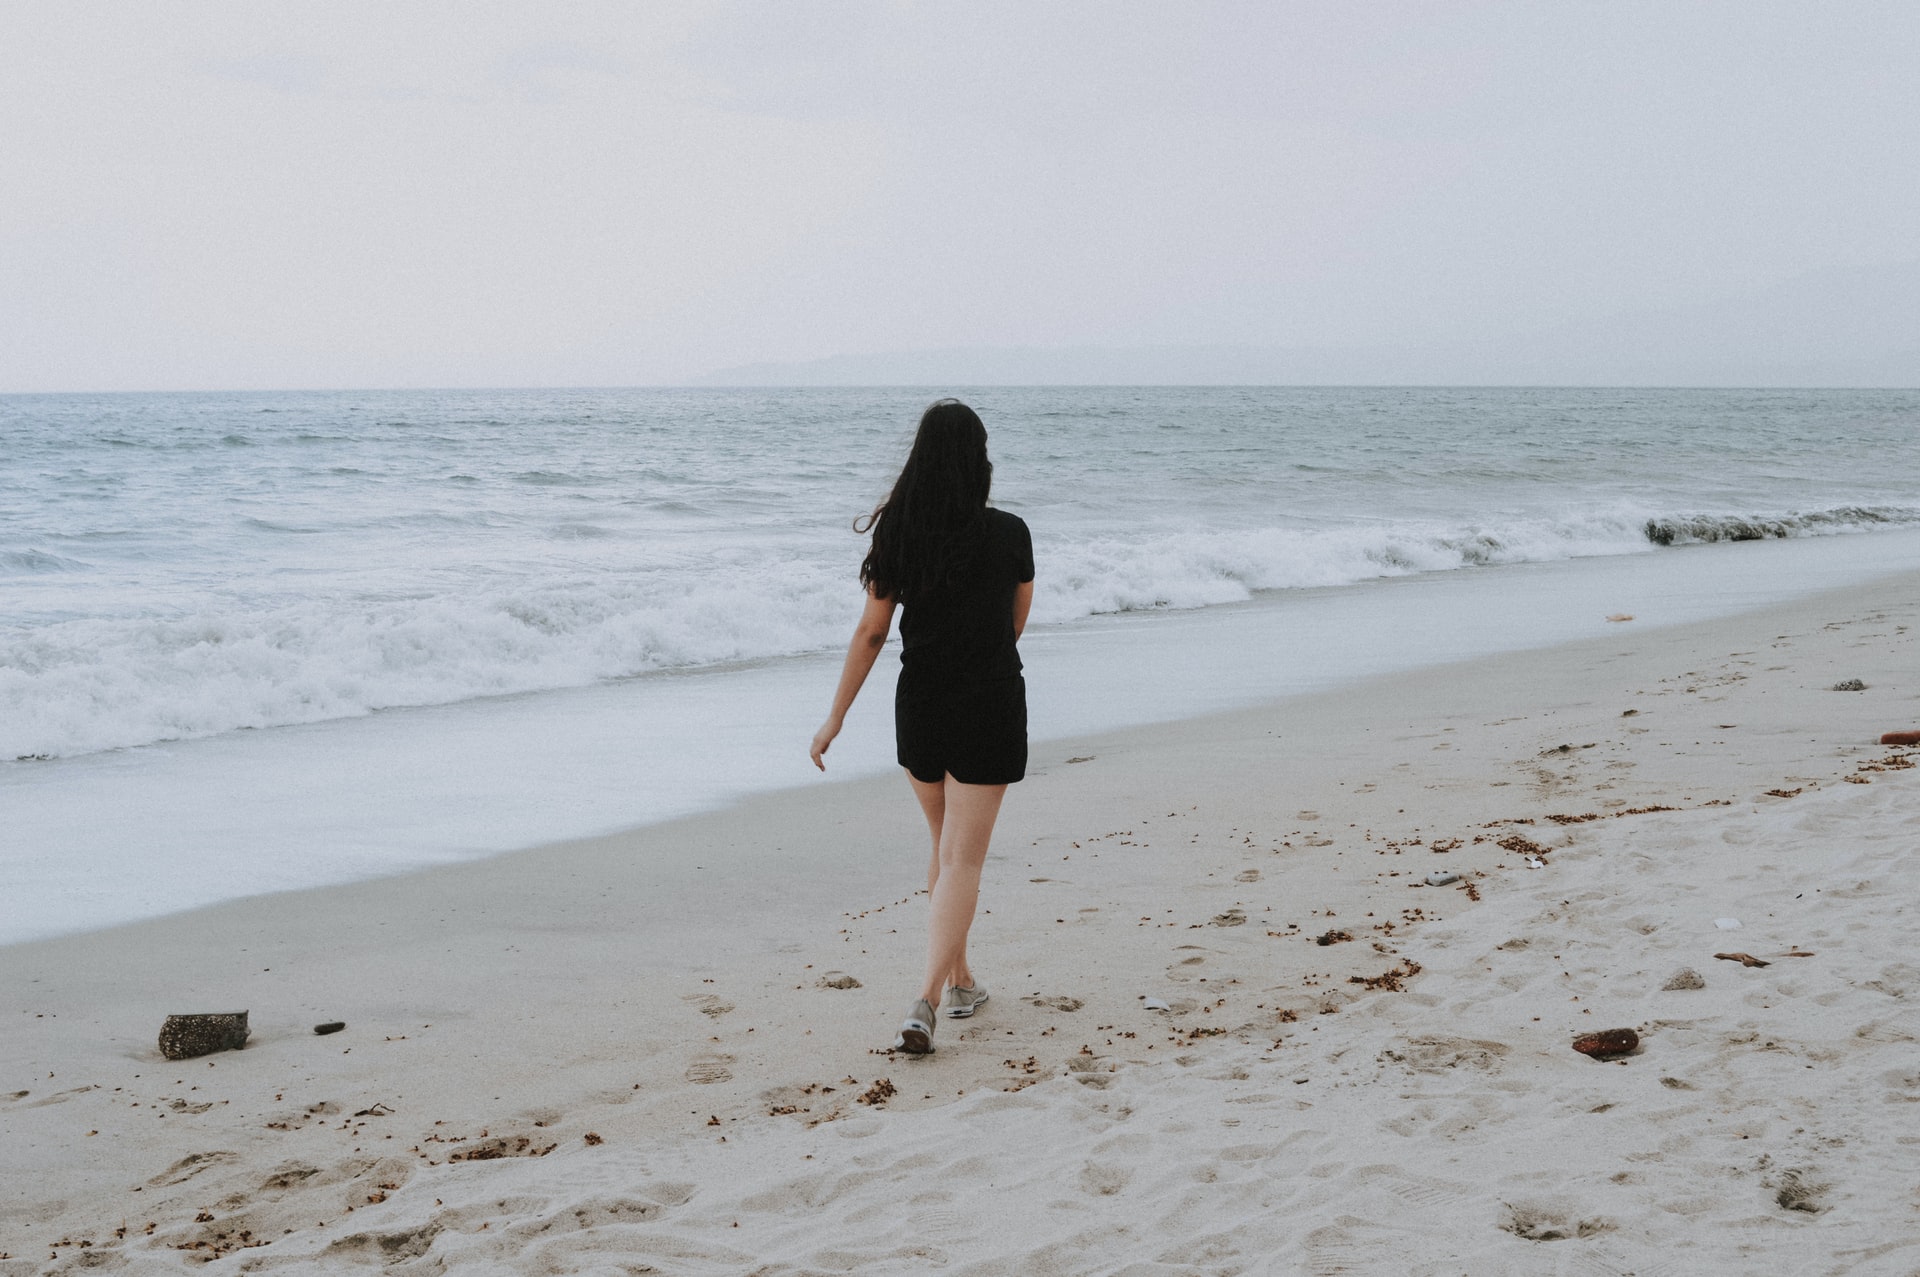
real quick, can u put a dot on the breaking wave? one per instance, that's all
(78, 686)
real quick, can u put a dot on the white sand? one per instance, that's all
(1280, 1118)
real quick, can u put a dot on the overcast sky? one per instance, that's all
(414, 194)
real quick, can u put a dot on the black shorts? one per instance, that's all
(975, 732)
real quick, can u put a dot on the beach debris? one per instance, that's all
(1441, 877)
(1520, 844)
(1744, 959)
(1849, 685)
(836, 980)
(1727, 924)
(331, 1026)
(1534, 862)
(1901, 738)
(1156, 1004)
(182, 1037)
(1785, 793)
(1084, 758)
(1621, 616)
(1796, 953)
(1390, 979)
(1231, 918)
(1441, 846)
(1335, 936)
(879, 1093)
(1607, 1043)
(1684, 978)
(1628, 713)
(592, 1138)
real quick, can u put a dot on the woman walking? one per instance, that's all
(962, 574)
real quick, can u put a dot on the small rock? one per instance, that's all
(1332, 937)
(1684, 978)
(1441, 877)
(1607, 1042)
(331, 1026)
(1849, 685)
(1156, 1004)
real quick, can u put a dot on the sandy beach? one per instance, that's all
(664, 1051)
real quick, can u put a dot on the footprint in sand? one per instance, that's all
(287, 1175)
(1103, 1181)
(709, 1069)
(58, 1097)
(189, 1166)
(1551, 1222)
(1059, 1002)
(707, 1003)
(1247, 875)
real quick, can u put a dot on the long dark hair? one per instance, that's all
(926, 532)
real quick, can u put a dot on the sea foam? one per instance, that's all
(71, 687)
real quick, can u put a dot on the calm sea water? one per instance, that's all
(587, 573)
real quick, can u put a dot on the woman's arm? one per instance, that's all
(1022, 603)
(869, 636)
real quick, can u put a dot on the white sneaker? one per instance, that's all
(916, 1031)
(961, 1001)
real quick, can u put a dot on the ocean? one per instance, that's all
(262, 641)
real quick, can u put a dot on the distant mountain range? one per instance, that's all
(1852, 327)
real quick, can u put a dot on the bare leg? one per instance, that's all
(967, 813)
(933, 805)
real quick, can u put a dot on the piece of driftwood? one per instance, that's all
(1901, 738)
(184, 1036)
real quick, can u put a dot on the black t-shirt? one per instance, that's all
(965, 632)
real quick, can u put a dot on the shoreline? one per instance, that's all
(543, 994)
(164, 829)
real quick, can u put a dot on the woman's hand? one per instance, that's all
(869, 636)
(822, 739)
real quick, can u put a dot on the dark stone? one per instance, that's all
(183, 1037)
(1607, 1042)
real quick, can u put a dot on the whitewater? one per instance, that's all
(177, 566)
(504, 617)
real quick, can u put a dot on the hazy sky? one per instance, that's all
(257, 194)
